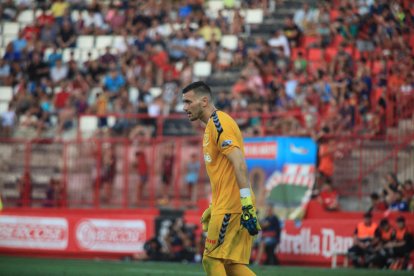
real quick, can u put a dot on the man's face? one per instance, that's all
(192, 105)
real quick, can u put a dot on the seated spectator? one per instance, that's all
(361, 252)
(397, 203)
(305, 17)
(177, 46)
(408, 191)
(279, 40)
(20, 43)
(93, 23)
(113, 82)
(59, 72)
(58, 9)
(8, 118)
(5, 73)
(377, 204)
(328, 197)
(292, 32)
(66, 37)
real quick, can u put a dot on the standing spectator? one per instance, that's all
(191, 177)
(270, 239)
(142, 171)
(305, 17)
(108, 171)
(362, 251)
(326, 158)
(167, 168)
(53, 193)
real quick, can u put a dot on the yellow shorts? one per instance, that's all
(227, 240)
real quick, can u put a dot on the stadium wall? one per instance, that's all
(114, 234)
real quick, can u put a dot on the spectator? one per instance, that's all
(66, 38)
(305, 17)
(58, 9)
(397, 203)
(8, 119)
(37, 69)
(361, 253)
(292, 32)
(59, 72)
(167, 168)
(108, 173)
(53, 194)
(279, 40)
(113, 82)
(93, 23)
(328, 197)
(270, 239)
(377, 204)
(191, 177)
(142, 171)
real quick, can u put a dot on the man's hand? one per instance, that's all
(249, 217)
(205, 218)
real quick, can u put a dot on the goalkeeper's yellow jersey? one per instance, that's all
(221, 136)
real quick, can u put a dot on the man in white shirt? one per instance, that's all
(280, 40)
(59, 72)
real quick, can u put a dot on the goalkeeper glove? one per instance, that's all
(249, 217)
(205, 218)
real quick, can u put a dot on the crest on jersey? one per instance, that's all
(226, 143)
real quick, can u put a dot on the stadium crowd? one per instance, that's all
(330, 64)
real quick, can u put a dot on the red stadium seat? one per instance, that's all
(315, 54)
(338, 39)
(334, 14)
(308, 40)
(295, 53)
(331, 52)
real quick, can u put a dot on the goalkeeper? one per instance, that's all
(230, 221)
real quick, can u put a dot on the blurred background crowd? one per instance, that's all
(329, 65)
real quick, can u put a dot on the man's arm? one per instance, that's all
(248, 217)
(240, 169)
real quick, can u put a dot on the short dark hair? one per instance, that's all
(199, 87)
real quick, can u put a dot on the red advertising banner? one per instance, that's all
(315, 241)
(75, 232)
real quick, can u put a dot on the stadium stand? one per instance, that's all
(340, 71)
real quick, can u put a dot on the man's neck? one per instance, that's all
(207, 114)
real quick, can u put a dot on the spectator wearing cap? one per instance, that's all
(361, 251)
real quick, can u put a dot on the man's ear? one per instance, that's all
(204, 101)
